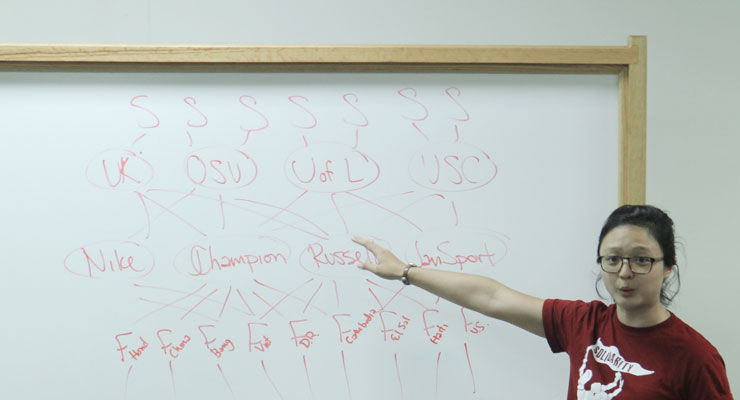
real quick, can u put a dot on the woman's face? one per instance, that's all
(633, 293)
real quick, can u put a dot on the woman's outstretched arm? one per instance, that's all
(475, 292)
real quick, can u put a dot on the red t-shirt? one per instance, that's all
(609, 360)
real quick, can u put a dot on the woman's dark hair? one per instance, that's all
(660, 226)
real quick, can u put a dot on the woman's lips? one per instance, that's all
(626, 291)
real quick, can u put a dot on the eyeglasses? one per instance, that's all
(638, 265)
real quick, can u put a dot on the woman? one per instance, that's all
(633, 349)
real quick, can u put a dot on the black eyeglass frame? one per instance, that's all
(629, 263)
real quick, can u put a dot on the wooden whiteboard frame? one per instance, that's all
(628, 62)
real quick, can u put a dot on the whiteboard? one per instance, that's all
(188, 235)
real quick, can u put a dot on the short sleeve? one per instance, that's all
(561, 318)
(708, 380)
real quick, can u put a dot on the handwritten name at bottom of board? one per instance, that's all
(369, 316)
(437, 337)
(261, 345)
(172, 349)
(228, 345)
(400, 329)
(135, 352)
(307, 339)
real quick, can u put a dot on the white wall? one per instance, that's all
(693, 88)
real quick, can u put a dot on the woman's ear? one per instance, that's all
(667, 271)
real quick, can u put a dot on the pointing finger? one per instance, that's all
(368, 244)
(368, 267)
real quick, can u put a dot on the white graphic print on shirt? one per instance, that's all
(610, 356)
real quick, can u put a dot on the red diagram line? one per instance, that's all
(436, 374)
(223, 213)
(344, 222)
(470, 365)
(324, 235)
(226, 380)
(388, 210)
(398, 373)
(172, 377)
(457, 217)
(346, 376)
(290, 295)
(267, 303)
(390, 196)
(199, 303)
(245, 302)
(420, 131)
(417, 201)
(138, 138)
(170, 304)
(336, 292)
(128, 375)
(357, 138)
(270, 379)
(284, 208)
(184, 292)
(402, 295)
(150, 220)
(393, 297)
(171, 212)
(225, 301)
(308, 380)
(285, 224)
(178, 308)
(312, 296)
(380, 303)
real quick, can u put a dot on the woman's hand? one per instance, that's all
(475, 292)
(388, 266)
